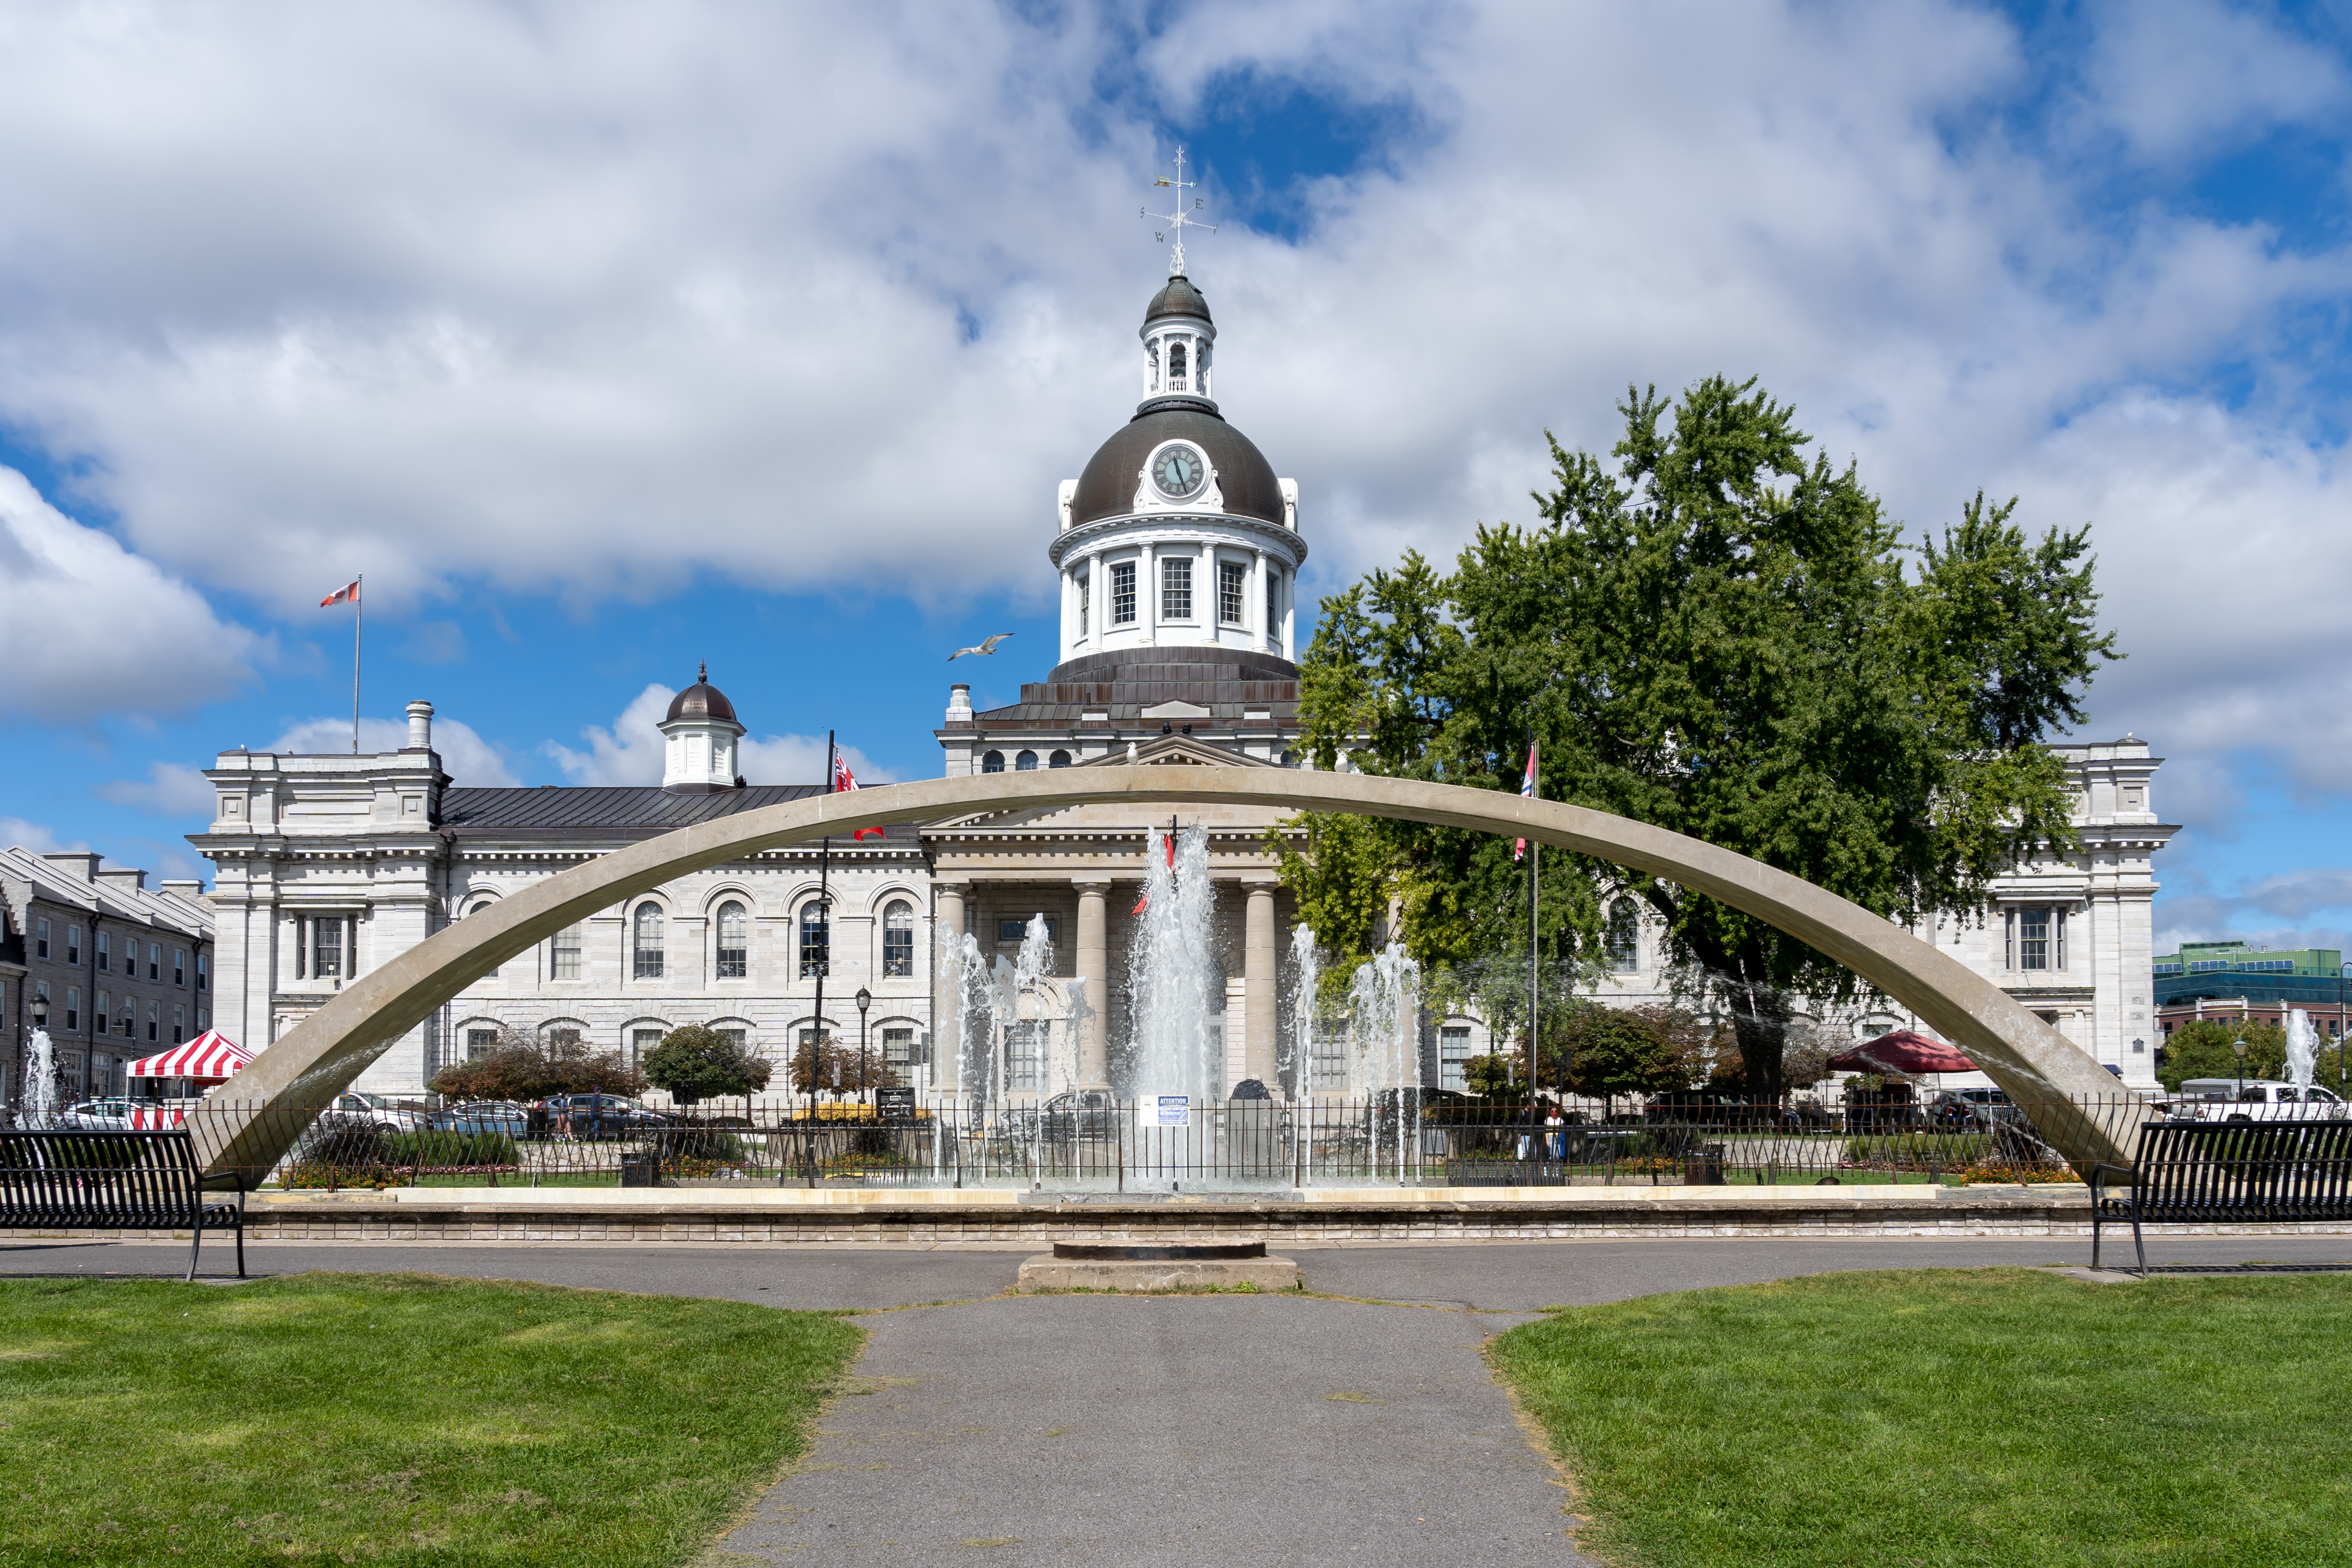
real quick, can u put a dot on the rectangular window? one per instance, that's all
(41, 939)
(179, 1022)
(154, 961)
(1176, 588)
(480, 1043)
(105, 1006)
(563, 955)
(1018, 931)
(1231, 577)
(73, 945)
(154, 1023)
(204, 1018)
(73, 1008)
(568, 1039)
(643, 1043)
(1086, 602)
(179, 966)
(734, 1037)
(1273, 602)
(204, 972)
(1024, 1055)
(898, 1047)
(817, 943)
(327, 948)
(1122, 594)
(105, 951)
(898, 951)
(1453, 1050)
(2034, 939)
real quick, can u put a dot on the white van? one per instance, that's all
(2258, 1099)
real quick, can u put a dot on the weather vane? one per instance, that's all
(1181, 218)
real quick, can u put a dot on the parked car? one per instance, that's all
(1090, 1115)
(2257, 1100)
(351, 1106)
(112, 1113)
(595, 1115)
(1957, 1109)
(484, 1116)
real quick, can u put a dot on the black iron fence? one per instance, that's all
(1096, 1143)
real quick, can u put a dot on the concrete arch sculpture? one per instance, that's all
(319, 1057)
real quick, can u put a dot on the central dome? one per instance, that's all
(1107, 487)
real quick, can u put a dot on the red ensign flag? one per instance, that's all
(843, 779)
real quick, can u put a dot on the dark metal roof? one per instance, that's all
(701, 700)
(1178, 297)
(606, 811)
(1122, 684)
(1107, 487)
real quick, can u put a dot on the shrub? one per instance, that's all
(1919, 1151)
(434, 1150)
(527, 1067)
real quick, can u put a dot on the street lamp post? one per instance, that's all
(2238, 1046)
(865, 1000)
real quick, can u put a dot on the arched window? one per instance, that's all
(898, 939)
(647, 934)
(491, 973)
(1060, 759)
(1624, 938)
(1176, 367)
(734, 941)
(816, 939)
(993, 763)
(1025, 763)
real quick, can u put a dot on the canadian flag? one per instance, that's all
(843, 779)
(1527, 792)
(349, 593)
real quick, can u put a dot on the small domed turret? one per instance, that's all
(698, 736)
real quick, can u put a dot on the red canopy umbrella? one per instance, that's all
(1902, 1052)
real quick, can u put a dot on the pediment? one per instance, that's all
(1177, 751)
(1177, 708)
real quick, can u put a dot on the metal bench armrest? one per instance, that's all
(235, 1178)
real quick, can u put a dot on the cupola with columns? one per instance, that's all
(698, 736)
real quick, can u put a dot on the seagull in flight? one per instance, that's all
(987, 647)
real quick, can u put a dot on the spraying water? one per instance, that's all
(1033, 965)
(1381, 996)
(1172, 974)
(2302, 1049)
(1306, 991)
(38, 1105)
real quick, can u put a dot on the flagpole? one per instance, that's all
(358, 604)
(1534, 854)
(825, 913)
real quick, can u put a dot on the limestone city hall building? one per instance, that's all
(1177, 549)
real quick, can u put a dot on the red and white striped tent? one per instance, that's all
(211, 1057)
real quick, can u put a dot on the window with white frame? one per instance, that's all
(1176, 379)
(898, 1046)
(643, 1043)
(105, 951)
(993, 763)
(179, 966)
(480, 1043)
(73, 945)
(179, 1022)
(204, 972)
(2036, 938)
(646, 941)
(1453, 1051)
(816, 941)
(1232, 578)
(1024, 1054)
(1086, 600)
(1625, 937)
(41, 939)
(563, 955)
(1026, 762)
(154, 961)
(1122, 593)
(154, 1023)
(1273, 602)
(1176, 588)
(734, 941)
(898, 940)
(73, 1007)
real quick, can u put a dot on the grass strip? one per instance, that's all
(393, 1419)
(1940, 1419)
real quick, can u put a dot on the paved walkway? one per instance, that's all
(1088, 1429)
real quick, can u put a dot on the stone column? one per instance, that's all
(1258, 971)
(951, 916)
(1093, 966)
(1147, 592)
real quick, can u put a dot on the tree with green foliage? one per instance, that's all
(525, 1066)
(2200, 1048)
(696, 1064)
(1713, 632)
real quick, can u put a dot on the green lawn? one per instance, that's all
(2000, 1417)
(396, 1419)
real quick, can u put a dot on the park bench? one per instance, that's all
(59, 1178)
(2203, 1173)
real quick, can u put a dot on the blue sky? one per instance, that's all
(600, 356)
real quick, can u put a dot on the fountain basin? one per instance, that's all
(1136, 1268)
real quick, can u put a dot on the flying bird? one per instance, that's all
(987, 647)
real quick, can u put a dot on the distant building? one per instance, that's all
(126, 969)
(2233, 981)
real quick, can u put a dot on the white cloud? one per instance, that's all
(33, 835)
(466, 757)
(574, 299)
(88, 627)
(630, 752)
(170, 789)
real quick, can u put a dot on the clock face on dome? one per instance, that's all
(1178, 471)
